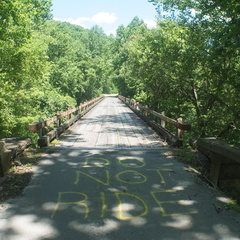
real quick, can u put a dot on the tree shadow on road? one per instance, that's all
(116, 194)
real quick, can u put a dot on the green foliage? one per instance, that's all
(46, 66)
(80, 59)
(189, 66)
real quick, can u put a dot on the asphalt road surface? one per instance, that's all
(116, 194)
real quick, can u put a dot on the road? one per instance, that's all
(124, 192)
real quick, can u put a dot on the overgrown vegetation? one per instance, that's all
(46, 66)
(188, 66)
(19, 175)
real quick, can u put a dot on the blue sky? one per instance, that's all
(108, 14)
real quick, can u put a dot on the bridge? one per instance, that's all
(111, 124)
(110, 176)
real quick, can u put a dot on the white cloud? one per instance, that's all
(150, 23)
(104, 17)
(113, 31)
(99, 18)
(78, 21)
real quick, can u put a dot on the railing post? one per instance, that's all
(80, 108)
(135, 105)
(163, 123)
(141, 108)
(5, 158)
(69, 113)
(146, 110)
(179, 131)
(41, 131)
(58, 119)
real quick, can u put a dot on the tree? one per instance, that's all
(19, 64)
(126, 84)
(218, 61)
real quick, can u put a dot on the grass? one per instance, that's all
(233, 205)
(195, 160)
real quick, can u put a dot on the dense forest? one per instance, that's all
(188, 66)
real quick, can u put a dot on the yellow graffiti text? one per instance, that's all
(160, 174)
(134, 174)
(131, 164)
(96, 162)
(161, 203)
(70, 195)
(106, 182)
(104, 206)
(121, 209)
